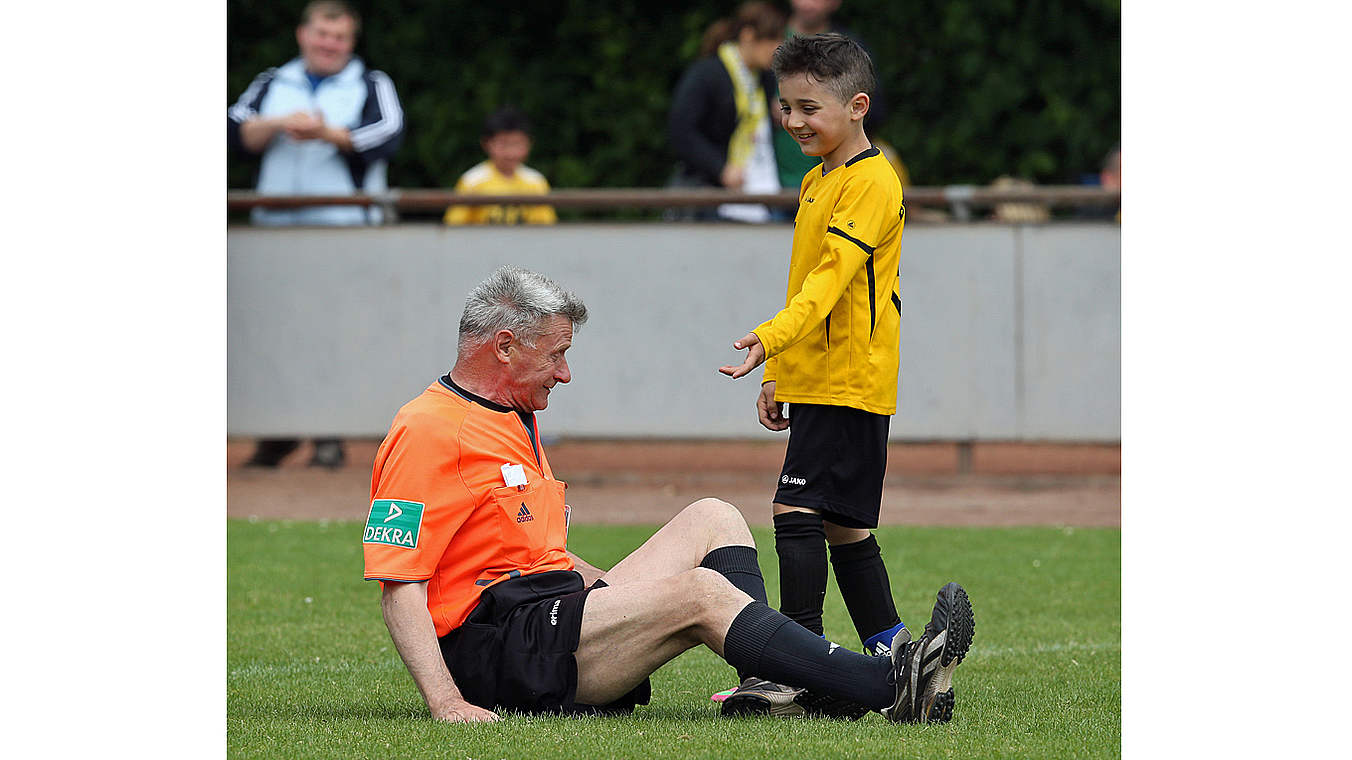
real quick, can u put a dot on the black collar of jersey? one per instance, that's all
(870, 153)
(466, 395)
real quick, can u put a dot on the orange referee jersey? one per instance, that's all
(449, 505)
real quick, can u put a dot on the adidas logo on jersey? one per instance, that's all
(524, 515)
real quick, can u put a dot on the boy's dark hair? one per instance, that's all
(835, 60)
(506, 119)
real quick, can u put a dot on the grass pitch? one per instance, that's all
(311, 671)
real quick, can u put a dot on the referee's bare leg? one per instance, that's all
(660, 602)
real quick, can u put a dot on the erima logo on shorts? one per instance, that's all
(790, 480)
(393, 522)
(554, 612)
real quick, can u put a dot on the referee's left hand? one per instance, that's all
(755, 356)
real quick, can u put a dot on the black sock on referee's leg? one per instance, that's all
(768, 644)
(738, 564)
(800, 542)
(864, 586)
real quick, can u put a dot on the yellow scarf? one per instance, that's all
(749, 97)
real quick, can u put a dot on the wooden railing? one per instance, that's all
(959, 200)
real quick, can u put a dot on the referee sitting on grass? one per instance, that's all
(489, 610)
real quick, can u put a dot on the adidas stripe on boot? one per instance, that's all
(923, 670)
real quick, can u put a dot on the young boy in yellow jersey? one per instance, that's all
(832, 354)
(506, 140)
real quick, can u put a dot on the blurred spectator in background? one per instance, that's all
(323, 122)
(1111, 174)
(1015, 212)
(814, 17)
(1109, 178)
(506, 140)
(890, 153)
(324, 125)
(720, 125)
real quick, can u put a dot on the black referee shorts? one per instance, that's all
(835, 463)
(515, 650)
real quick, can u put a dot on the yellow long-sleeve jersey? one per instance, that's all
(838, 339)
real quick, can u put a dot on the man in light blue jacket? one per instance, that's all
(324, 123)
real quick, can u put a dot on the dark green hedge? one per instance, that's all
(977, 88)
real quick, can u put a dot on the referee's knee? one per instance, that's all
(716, 512)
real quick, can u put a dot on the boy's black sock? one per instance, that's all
(800, 542)
(862, 578)
(767, 644)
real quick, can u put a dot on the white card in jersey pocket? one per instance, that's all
(514, 475)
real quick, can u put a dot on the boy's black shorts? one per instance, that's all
(515, 650)
(835, 463)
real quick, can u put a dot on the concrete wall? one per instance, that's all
(1008, 332)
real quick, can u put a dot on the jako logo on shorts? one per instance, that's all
(793, 481)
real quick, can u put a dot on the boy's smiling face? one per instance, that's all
(822, 125)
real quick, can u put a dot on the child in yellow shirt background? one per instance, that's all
(506, 140)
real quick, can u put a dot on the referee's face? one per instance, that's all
(534, 370)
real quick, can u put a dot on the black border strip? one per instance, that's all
(872, 306)
(450, 385)
(862, 245)
(870, 153)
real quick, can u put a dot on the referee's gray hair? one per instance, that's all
(519, 300)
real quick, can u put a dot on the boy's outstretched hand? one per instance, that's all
(755, 355)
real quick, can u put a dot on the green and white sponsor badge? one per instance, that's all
(393, 522)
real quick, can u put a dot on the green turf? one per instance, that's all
(311, 671)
